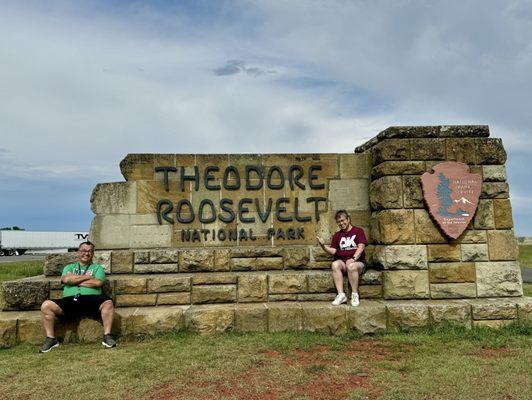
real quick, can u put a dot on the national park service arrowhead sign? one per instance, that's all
(451, 194)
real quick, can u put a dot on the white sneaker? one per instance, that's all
(354, 299)
(339, 299)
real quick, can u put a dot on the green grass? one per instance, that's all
(525, 255)
(527, 289)
(20, 269)
(442, 363)
(435, 363)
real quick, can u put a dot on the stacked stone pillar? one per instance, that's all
(418, 260)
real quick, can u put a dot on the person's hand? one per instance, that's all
(320, 241)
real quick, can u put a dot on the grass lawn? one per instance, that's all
(445, 363)
(20, 269)
(525, 255)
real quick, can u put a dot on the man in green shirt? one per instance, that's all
(82, 296)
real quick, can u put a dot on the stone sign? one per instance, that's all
(451, 194)
(182, 200)
(218, 242)
(250, 180)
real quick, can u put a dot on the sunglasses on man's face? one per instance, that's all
(85, 251)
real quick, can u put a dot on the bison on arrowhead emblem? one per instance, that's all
(451, 194)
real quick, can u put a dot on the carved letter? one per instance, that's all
(296, 212)
(165, 171)
(163, 214)
(312, 177)
(295, 173)
(236, 184)
(231, 217)
(269, 182)
(242, 209)
(316, 201)
(209, 177)
(264, 215)
(179, 207)
(185, 235)
(194, 178)
(201, 217)
(279, 209)
(258, 171)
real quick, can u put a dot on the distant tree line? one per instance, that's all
(12, 228)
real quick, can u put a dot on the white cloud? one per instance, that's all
(86, 83)
(91, 93)
(233, 67)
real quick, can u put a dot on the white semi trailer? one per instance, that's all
(18, 242)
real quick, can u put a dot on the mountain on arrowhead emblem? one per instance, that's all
(451, 193)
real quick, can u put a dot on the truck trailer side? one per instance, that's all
(18, 242)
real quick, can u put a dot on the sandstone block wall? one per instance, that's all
(163, 277)
(379, 185)
(418, 276)
(419, 261)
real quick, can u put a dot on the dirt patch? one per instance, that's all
(328, 387)
(271, 353)
(376, 350)
(270, 379)
(256, 385)
(493, 353)
(307, 358)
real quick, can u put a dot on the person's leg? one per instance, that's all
(338, 268)
(354, 269)
(107, 312)
(49, 312)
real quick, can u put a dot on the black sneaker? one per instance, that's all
(49, 344)
(108, 341)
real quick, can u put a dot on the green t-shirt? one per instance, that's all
(95, 270)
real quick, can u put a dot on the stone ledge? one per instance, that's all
(370, 317)
(295, 257)
(436, 131)
(132, 290)
(219, 259)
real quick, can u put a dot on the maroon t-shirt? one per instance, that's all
(346, 243)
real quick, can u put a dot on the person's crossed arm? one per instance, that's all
(74, 280)
(81, 280)
(93, 282)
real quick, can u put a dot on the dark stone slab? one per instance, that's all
(132, 161)
(416, 132)
(24, 294)
(491, 152)
(54, 263)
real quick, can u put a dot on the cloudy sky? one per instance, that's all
(84, 83)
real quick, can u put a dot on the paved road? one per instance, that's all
(25, 257)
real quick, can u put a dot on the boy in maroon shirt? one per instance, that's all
(347, 247)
